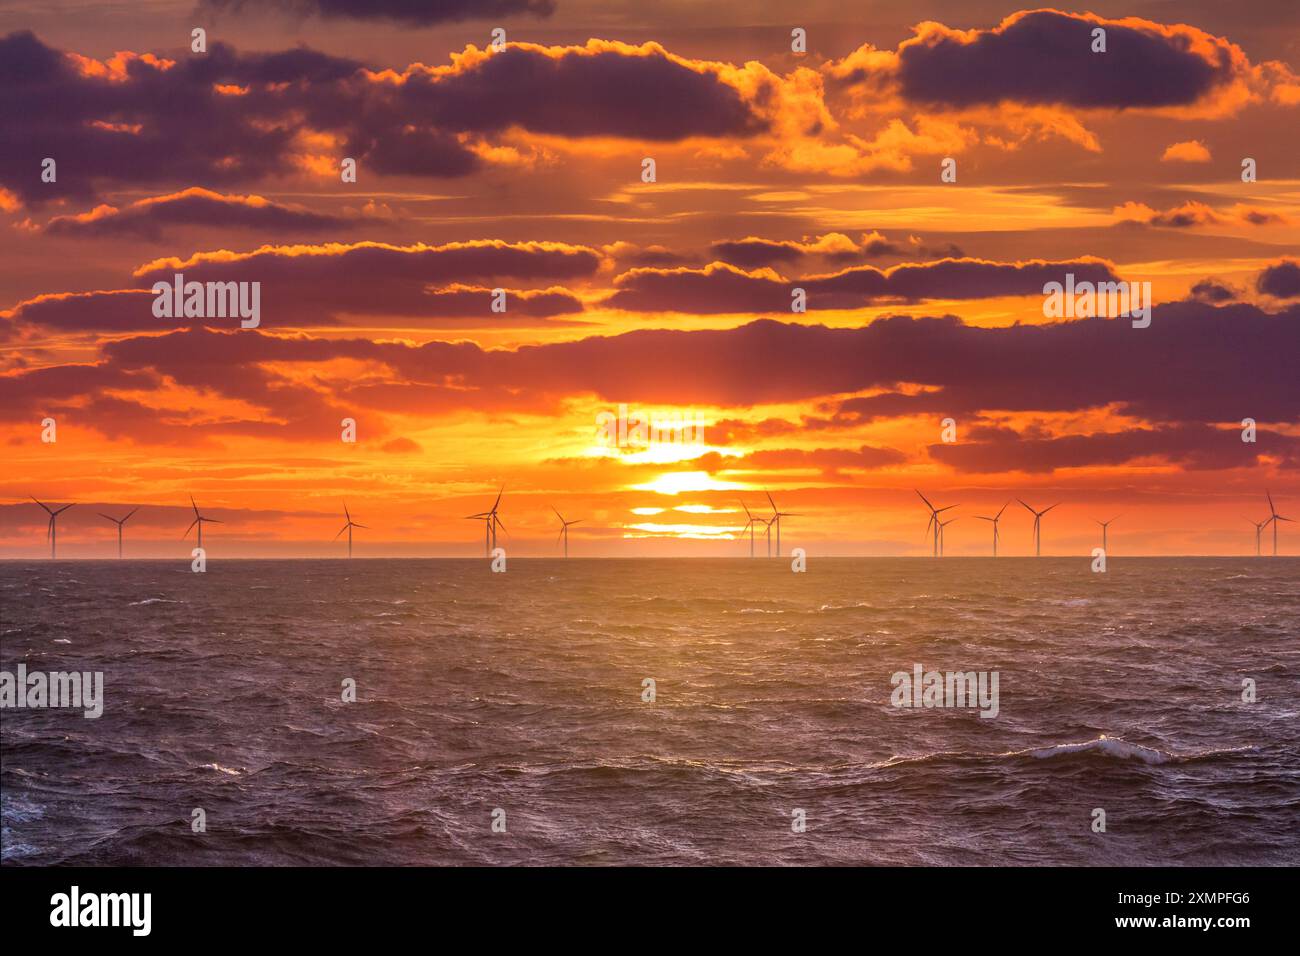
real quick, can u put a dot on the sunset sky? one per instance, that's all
(522, 169)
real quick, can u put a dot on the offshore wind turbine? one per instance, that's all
(564, 529)
(198, 520)
(119, 522)
(348, 527)
(767, 530)
(1038, 526)
(491, 521)
(1104, 526)
(749, 526)
(934, 519)
(1273, 517)
(995, 519)
(52, 529)
(942, 525)
(777, 516)
(1259, 528)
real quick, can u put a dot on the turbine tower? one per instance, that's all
(942, 525)
(1259, 529)
(1104, 526)
(119, 522)
(995, 519)
(749, 526)
(1273, 517)
(52, 529)
(198, 520)
(1038, 526)
(934, 520)
(777, 516)
(491, 521)
(564, 529)
(348, 528)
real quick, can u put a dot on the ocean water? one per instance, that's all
(523, 692)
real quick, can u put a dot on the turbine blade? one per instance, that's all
(194, 506)
(65, 508)
(42, 504)
(499, 494)
(361, 526)
(189, 529)
(1045, 510)
(341, 530)
(1031, 510)
(131, 512)
(213, 521)
(924, 498)
(1004, 508)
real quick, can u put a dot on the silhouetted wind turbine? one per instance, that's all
(1104, 526)
(934, 520)
(1038, 531)
(995, 519)
(749, 526)
(777, 516)
(119, 522)
(1259, 528)
(564, 529)
(1273, 517)
(491, 521)
(942, 525)
(52, 529)
(198, 520)
(348, 528)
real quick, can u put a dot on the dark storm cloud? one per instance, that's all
(723, 289)
(754, 252)
(368, 278)
(1237, 351)
(420, 13)
(1192, 446)
(602, 89)
(1045, 57)
(226, 117)
(1212, 291)
(1281, 280)
(147, 218)
(142, 120)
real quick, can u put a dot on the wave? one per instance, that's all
(1113, 747)
(153, 601)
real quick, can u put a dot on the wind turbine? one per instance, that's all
(1038, 530)
(1273, 517)
(491, 521)
(52, 530)
(934, 520)
(777, 516)
(995, 519)
(348, 528)
(119, 522)
(749, 526)
(1259, 528)
(198, 520)
(564, 529)
(942, 525)
(767, 530)
(1104, 526)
